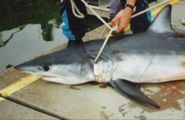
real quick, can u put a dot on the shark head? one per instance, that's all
(45, 70)
(66, 67)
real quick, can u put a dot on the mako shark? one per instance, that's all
(155, 56)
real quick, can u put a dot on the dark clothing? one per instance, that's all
(141, 22)
(75, 28)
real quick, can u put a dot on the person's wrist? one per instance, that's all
(128, 10)
(130, 7)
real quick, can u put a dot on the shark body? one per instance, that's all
(155, 56)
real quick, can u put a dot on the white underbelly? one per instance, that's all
(151, 69)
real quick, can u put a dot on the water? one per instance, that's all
(27, 29)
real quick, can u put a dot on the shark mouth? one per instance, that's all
(47, 76)
(44, 75)
(50, 78)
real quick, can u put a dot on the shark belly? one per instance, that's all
(151, 68)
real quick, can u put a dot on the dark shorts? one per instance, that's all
(73, 27)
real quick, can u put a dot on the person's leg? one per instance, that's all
(141, 22)
(115, 7)
(74, 28)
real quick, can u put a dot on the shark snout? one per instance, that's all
(25, 68)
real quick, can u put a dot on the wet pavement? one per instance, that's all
(33, 98)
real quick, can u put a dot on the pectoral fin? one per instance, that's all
(132, 90)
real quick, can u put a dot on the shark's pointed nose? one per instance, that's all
(25, 68)
(18, 67)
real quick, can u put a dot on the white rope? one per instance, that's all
(140, 13)
(150, 8)
(106, 24)
(103, 46)
(102, 33)
(74, 7)
(109, 34)
(76, 11)
(96, 14)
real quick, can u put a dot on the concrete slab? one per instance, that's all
(10, 110)
(101, 102)
(15, 82)
(9, 77)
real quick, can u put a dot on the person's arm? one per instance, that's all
(123, 17)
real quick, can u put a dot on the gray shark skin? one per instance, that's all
(155, 56)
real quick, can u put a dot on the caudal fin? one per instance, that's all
(132, 90)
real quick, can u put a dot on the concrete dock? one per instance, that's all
(23, 96)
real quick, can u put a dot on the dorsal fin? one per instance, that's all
(162, 23)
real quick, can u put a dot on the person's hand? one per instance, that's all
(122, 19)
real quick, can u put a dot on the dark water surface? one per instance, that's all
(28, 28)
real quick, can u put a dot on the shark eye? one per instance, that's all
(46, 68)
